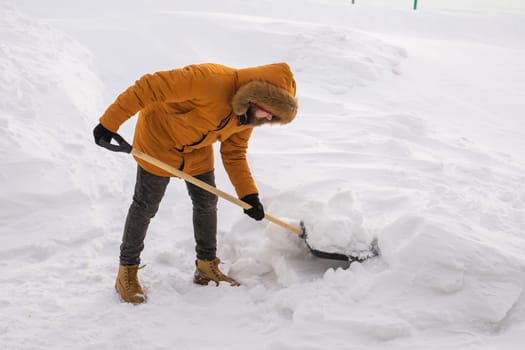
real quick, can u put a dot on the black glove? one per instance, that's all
(256, 211)
(102, 134)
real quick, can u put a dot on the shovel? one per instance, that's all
(125, 147)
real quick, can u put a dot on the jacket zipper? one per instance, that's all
(221, 126)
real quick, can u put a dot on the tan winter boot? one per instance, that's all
(208, 270)
(128, 285)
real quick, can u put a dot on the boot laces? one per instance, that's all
(130, 276)
(214, 266)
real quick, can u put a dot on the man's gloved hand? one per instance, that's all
(101, 133)
(256, 211)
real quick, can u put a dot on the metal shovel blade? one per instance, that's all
(356, 257)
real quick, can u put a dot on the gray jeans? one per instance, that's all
(149, 191)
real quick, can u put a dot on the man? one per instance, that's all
(182, 113)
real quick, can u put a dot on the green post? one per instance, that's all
(415, 4)
(353, 2)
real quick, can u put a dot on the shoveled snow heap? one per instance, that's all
(338, 226)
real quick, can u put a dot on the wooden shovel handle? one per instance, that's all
(176, 172)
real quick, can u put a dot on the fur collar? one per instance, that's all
(269, 96)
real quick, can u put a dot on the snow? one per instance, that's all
(410, 130)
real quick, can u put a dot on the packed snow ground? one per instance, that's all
(410, 129)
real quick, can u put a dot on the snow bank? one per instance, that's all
(51, 96)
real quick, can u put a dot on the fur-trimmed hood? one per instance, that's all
(272, 87)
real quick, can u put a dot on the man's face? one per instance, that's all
(257, 116)
(262, 114)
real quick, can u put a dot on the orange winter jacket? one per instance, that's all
(184, 111)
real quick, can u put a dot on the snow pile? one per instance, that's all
(50, 96)
(392, 141)
(338, 227)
